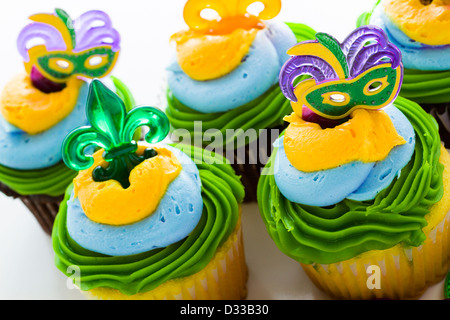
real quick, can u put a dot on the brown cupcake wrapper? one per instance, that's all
(441, 112)
(249, 160)
(43, 207)
(247, 164)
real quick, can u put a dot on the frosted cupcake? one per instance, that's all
(147, 220)
(222, 82)
(420, 29)
(40, 106)
(357, 187)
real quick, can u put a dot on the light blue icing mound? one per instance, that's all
(320, 188)
(254, 76)
(22, 151)
(415, 55)
(356, 180)
(282, 39)
(384, 172)
(177, 215)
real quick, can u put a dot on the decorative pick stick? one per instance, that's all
(87, 46)
(112, 129)
(364, 71)
(226, 10)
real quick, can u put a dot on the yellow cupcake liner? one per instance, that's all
(224, 278)
(398, 272)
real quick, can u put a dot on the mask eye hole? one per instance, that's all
(255, 8)
(61, 65)
(96, 61)
(375, 86)
(209, 14)
(337, 98)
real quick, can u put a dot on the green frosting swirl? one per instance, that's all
(419, 86)
(54, 180)
(222, 192)
(342, 231)
(426, 86)
(267, 111)
(51, 181)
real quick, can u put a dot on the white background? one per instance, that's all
(26, 256)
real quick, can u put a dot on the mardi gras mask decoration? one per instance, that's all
(230, 32)
(87, 46)
(232, 13)
(112, 129)
(364, 71)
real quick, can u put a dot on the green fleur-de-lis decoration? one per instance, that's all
(112, 129)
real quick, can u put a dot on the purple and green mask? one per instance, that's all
(59, 48)
(364, 71)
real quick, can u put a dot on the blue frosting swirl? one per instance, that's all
(23, 151)
(255, 75)
(355, 180)
(178, 213)
(415, 55)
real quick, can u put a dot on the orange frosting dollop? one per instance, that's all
(204, 56)
(368, 136)
(109, 203)
(34, 111)
(428, 24)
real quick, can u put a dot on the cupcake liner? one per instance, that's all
(8, 191)
(43, 207)
(249, 161)
(441, 112)
(224, 278)
(400, 272)
(404, 273)
(51, 181)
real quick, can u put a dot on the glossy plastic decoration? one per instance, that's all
(235, 10)
(365, 71)
(112, 129)
(87, 46)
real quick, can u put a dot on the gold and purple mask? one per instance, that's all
(365, 71)
(61, 48)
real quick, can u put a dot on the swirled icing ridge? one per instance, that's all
(339, 232)
(53, 180)
(420, 86)
(222, 192)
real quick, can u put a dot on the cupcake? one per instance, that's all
(357, 187)
(222, 91)
(147, 220)
(420, 29)
(40, 106)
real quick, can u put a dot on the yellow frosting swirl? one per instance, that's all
(109, 203)
(428, 24)
(34, 111)
(212, 48)
(205, 56)
(368, 136)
